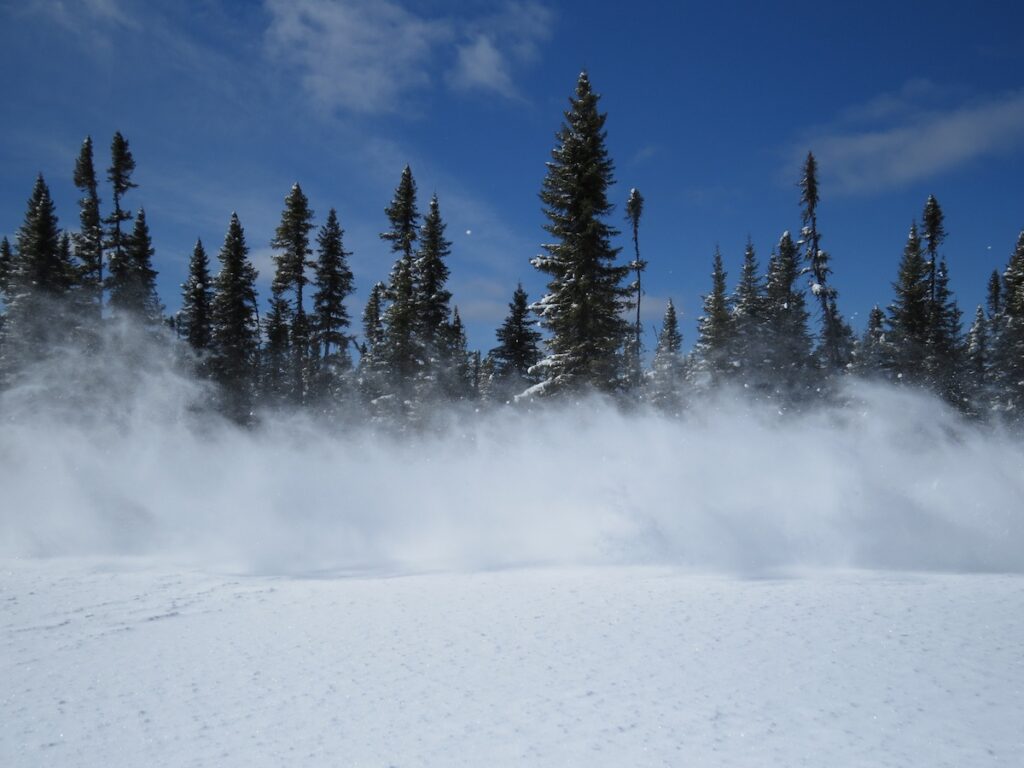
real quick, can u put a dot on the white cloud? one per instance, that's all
(357, 55)
(893, 140)
(369, 56)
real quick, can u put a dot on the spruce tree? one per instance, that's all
(291, 239)
(371, 351)
(119, 174)
(1008, 357)
(518, 349)
(132, 277)
(874, 352)
(788, 341)
(749, 321)
(235, 326)
(6, 265)
(334, 284)
(432, 277)
(944, 343)
(38, 276)
(196, 300)
(715, 328)
(275, 374)
(89, 239)
(832, 333)
(457, 377)
(910, 312)
(401, 355)
(585, 300)
(934, 234)
(978, 389)
(634, 347)
(668, 370)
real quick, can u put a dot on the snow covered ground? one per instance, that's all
(123, 662)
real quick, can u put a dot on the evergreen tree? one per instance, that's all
(518, 349)
(119, 174)
(788, 341)
(235, 325)
(132, 280)
(1008, 352)
(196, 300)
(89, 239)
(978, 366)
(944, 359)
(6, 266)
(370, 353)
(634, 346)
(832, 332)
(874, 353)
(910, 312)
(715, 328)
(401, 355)
(38, 276)
(330, 316)
(291, 239)
(934, 234)
(585, 299)
(749, 321)
(668, 370)
(432, 277)
(994, 298)
(275, 378)
(458, 378)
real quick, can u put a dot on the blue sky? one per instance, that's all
(711, 109)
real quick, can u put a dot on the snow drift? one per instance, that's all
(117, 455)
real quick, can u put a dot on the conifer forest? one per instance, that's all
(775, 334)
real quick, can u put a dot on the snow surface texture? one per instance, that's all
(120, 664)
(890, 480)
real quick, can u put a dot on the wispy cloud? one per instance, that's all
(369, 56)
(904, 137)
(77, 15)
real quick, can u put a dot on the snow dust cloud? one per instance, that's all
(120, 455)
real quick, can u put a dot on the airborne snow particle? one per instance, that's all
(469, 231)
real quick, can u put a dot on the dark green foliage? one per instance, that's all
(403, 216)
(669, 369)
(132, 279)
(1008, 347)
(715, 328)
(276, 360)
(749, 316)
(370, 353)
(235, 326)
(634, 346)
(6, 265)
(291, 239)
(330, 316)
(977, 370)
(119, 174)
(832, 331)
(89, 239)
(873, 357)
(457, 375)
(196, 299)
(432, 277)
(38, 276)
(934, 233)
(585, 299)
(910, 313)
(944, 353)
(517, 352)
(787, 339)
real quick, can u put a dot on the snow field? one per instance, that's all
(126, 663)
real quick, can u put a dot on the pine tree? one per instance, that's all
(874, 352)
(788, 341)
(132, 277)
(291, 238)
(275, 376)
(6, 266)
(518, 349)
(749, 321)
(585, 299)
(197, 297)
(370, 353)
(235, 325)
(832, 333)
(1008, 352)
(668, 370)
(401, 355)
(944, 343)
(715, 328)
(432, 277)
(330, 316)
(634, 346)
(457, 375)
(89, 239)
(910, 312)
(934, 234)
(978, 367)
(119, 174)
(38, 276)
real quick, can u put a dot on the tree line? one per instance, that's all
(62, 288)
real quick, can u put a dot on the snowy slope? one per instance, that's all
(123, 663)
